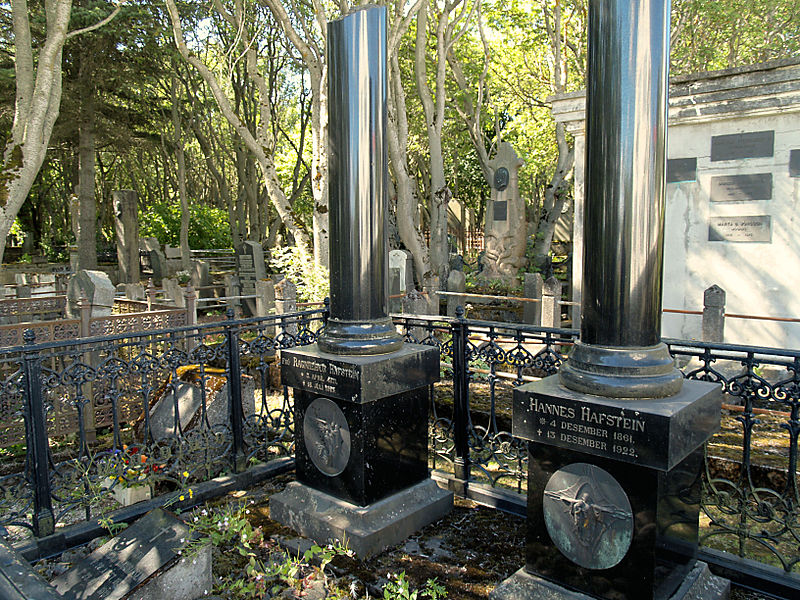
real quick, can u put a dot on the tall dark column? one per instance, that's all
(358, 165)
(620, 353)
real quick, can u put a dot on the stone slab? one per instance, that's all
(18, 581)
(359, 378)
(794, 163)
(681, 169)
(188, 579)
(748, 228)
(367, 530)
(734, 146)
(701, 584)
(741, 188)
(126, 561)
(656, 433)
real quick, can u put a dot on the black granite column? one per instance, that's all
(620, 353)
(358, 164)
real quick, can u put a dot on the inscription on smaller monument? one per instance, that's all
(756, 228)
(322, 376)
(500, 210)
(739, 188)
(754, 144)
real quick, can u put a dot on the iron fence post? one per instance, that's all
(461, 466)
(36, 433)
(238, 457)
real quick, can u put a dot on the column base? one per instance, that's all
(700, 584)
(368, 530)
(647, 372)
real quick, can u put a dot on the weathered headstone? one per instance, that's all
(532, 288)
(126, 225)
(714, 314)
(189, 398)
(456, 282)
(158, 262)
(174, 291)
(134, 291)
(96, 287)
(201, 278)
(265, 297)
(403, 262)
(250, 268)
(149, 549)
(286, 302)
(506, 231)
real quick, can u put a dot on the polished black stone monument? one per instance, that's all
(616, 438)
(361, 395)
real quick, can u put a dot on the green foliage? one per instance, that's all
(311, 279)
(398, 588)
(208, 226)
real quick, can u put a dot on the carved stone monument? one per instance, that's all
(98, 290)
(616, 438)
(506, 230)
(126, 225)
(360, 393)
(250, 267)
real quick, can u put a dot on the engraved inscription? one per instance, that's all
(588, 429)
(754, 144)
(741, 188)
(588, 516)
(325, 377)
(757, 228)
(327, 436)
(500, 210)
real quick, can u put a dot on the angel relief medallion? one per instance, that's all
(327, 436)
(588, 516)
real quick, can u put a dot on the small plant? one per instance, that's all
(311, 279)
(398, 588)
(183, 277)
(111, 526)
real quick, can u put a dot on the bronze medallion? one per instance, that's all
(327, 436)
(588, 516)
(501, 178)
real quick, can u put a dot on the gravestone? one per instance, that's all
(174, 291)
(158, 262)
(126, 226)
(360, 393)
(189, 398)
(456, 282)
(404, 263)
(506, 231)
(134, 291)
(286, 302)
(98, 290)
(533, 286)
(120, 569)
(201, 278)
(250, 268)
(173, 259)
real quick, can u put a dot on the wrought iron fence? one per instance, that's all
(750, 506)
(82, 420)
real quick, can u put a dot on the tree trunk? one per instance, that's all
(87, 220)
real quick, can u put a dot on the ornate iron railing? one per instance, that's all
(751, 506)
(83, 419)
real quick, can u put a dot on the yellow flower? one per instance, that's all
(186, 474)
(181, 498)
(191, 493)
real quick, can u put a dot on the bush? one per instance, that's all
(208, 226)
(312, 280)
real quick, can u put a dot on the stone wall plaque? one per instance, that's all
(756, 228)
(794, 163)
(741, 188)
(500, 210)
(588, 516)
(501, 178)
(115, 569)
(681, 169)
(754, 144)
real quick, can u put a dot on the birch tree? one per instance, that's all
(37, 101)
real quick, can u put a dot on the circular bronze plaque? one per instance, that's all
(501, 177)
(588, 516)
(327, 436)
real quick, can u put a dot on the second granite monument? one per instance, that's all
(360, 394)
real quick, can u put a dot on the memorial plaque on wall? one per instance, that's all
(741, 188)
(794, 163)
(501, 210)
(757, 228)
(681, 169)
(755, 144)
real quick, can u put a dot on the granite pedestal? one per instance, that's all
(361, 446)
(614, 487)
